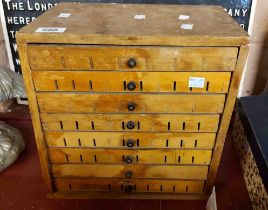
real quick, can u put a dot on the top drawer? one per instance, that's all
(85, 57)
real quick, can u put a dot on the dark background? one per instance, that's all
(33, 8)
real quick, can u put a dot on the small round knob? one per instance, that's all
(130, 143)
(131, 106)
(131, 63)
(128, 188)
(130, 125)
(128, 174)
(128, 159)
(131, 86)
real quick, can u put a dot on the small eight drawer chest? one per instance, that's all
(131, 101)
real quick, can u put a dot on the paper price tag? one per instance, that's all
(50, 30)
(196, 82)
(187, 26)
(139, 17)
(64, 15)
(184, 17)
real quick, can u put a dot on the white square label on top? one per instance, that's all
(64, 15)
(196, 82)
(187, 26)
(184, 17)
(139, 17)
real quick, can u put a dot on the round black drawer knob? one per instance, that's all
(130, 143)
(131, 86)
(131, 62)
(128, 174)
(130, 125)
(128, 188)
(131, 106)
(128, 159)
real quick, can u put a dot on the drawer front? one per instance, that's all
(129, 103)
(215, 82)
(136, 171)
(100, 156)
(126, 185)
(130, 140)
(129, 122)
(79, 57)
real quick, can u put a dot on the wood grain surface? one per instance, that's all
(119, 185)
(37, 126)
(138, 122)
(84, 57)
(138, 171)
(147, 156)
(226, 117)
(96, 81)
(121, 139)
(124, 103)
(81, 83)
(212, 26)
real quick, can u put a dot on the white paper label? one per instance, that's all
(196, 82)
(64, 15)
(187, 26)
(184, 17)
(50, 30)
(139, 17)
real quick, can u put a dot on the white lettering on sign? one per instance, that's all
(15, 47)
(187, 26)
(19, 20)
(184, 17)
(64, 15)
(196, 82)
(12, 34)
(139, 17)
(28, 5)
(17, 61)
(39, 6)
(50, 30)
(236, 12)
(14, 5)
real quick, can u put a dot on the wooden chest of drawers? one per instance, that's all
(131, 101)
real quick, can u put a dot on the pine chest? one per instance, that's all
(131, 101)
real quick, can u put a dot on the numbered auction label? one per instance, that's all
(196, 82)
(64, 15)
(50, 30)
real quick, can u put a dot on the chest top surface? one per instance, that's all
(136, 24)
